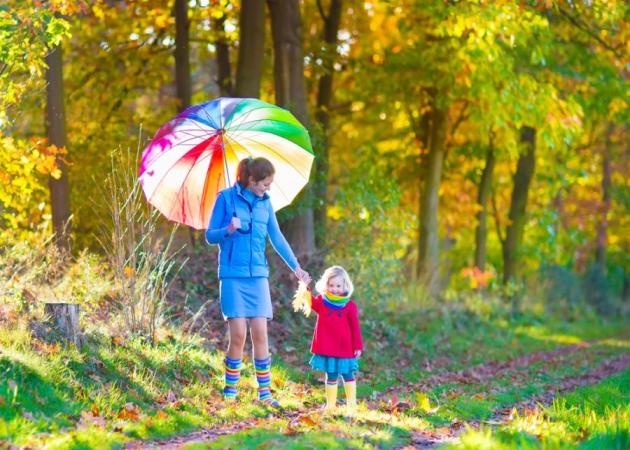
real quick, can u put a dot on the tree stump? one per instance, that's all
(65, 317)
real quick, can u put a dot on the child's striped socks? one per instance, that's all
(263, 376)
(232, 376)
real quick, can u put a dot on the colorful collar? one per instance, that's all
(335, 301)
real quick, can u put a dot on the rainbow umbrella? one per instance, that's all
(195, 155)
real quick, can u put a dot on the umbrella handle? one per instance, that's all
(233, 202)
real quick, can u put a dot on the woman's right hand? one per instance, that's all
(234, 225)
(303, 276)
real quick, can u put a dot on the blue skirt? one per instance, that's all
(245, 297)
(331, 364)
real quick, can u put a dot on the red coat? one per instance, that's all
(337, 331)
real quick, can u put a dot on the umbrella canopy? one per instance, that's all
(195, 155)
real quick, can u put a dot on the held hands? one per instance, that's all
(234, 225)
(303, 276)
(357, 353)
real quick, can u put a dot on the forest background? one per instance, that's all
(468, 153)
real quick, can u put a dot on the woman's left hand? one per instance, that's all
(303, 276)
(357, 353)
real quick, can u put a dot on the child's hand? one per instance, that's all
(357, 353)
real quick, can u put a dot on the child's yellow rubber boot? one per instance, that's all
(331, 397)
(351, 395)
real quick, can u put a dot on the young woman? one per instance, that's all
(241, 221)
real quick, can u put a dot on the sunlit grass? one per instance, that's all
(594, 417)
(174, 387)
(365, 428)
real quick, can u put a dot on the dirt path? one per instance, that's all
(422, 439)
(429, 439)
(485, 371)
(211, 434)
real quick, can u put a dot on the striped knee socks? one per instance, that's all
(232, 376)
(263, 376)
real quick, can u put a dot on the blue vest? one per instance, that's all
(243, 254)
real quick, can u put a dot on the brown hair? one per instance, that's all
(258, 168)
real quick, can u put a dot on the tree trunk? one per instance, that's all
(182, 68)
(290, 93)
(481, 232)
(428, 248)
(517, 215)
(65, 317)
(182, 54)
(224, 72)
(324, 97)
(421, 130)
(625, 290)
(251, 49)
(56, 130)
(602, 225)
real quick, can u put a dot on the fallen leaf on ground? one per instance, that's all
(307, 421)
(178, 404)
(129, 412)
(118, 341)
(88, 418)
(290, 431)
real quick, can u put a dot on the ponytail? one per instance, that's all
(257, 168)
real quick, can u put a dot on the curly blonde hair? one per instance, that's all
(332, 272)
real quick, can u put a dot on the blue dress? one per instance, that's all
(243, 268)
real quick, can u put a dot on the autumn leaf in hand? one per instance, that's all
(302, 299)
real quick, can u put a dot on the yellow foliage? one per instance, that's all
(334, 212)
(23, 191)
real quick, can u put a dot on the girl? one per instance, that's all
(337, 342)
(241, 220)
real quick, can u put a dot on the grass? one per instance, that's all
(367, 430)
(114, 391)
(118, 391)
(591, 417)
(478, 401)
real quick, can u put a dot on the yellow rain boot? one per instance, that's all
(351, 395)
(331, 397)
